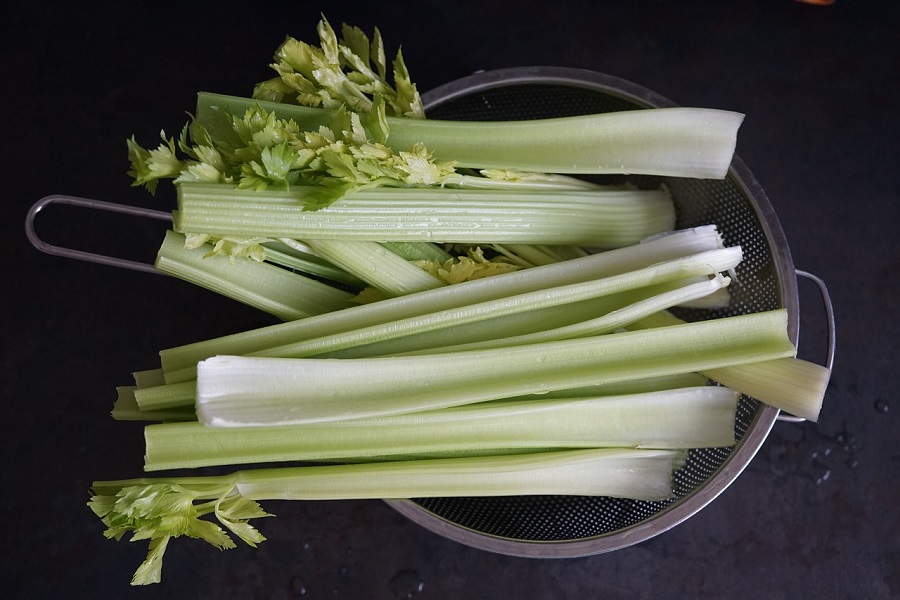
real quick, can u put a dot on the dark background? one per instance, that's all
(814, 515)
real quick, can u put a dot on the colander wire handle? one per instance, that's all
(830, 332)
(88, 203)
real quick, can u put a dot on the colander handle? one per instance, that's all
(87, 203)
(829, 317)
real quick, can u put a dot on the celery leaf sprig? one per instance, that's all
(260, 151)
(160, 511)
(350, 71)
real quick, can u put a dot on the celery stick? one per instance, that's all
(695, 417)
(179, 362)
(148, 377)
(375, 264)
(296, 256)
(234, 391)
(160, 509)
(272, 289)
(706, 263)
(418, 251)
(606, 323)
(164, 396)
(126, 408)
(606, 219)
(677, 142)
(791, 384)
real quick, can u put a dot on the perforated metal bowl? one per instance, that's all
(565, 526)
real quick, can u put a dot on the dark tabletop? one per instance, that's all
(814, 515)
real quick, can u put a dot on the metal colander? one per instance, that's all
(567, 526)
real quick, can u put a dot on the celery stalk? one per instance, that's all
(234, 391)
(371, 262)
(269, 288)
(126, 408)
(297, 256)
(179, 362)
(164, 508)
(164, 396)
(593, 316)
(792, 384)
(706, 263)
(695, 417)
(677, 142)
(606, 219)
(605, 323)
(418, 251)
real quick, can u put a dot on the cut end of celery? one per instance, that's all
(793, 385)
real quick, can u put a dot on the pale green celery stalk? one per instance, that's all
(377, 265)
(236, 391)
(474, 331)
(553, 181)
(148, 378)
(791, 384)
(677, 142)
(126, 408)
(163, 508)
(178, 398)
(294, 255)
(697, 417)
(606, 323)
(570, 252)
(418, 251)
(165, 396)
(706, 263)
(277, 291)
(606, 219)
(535, 255)
(641, 474)
(512, 256)
(179, 363)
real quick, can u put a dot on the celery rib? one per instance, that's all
(706, 263)
(377, 265)
(235, 391)
(792, 384)
(695, 417)
(678, 141)
(581, 218)
(269, 288)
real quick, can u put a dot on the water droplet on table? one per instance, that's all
(406, 584)
(298, 587)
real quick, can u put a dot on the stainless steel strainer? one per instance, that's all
(565, 526)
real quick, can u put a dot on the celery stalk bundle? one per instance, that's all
(492, 352)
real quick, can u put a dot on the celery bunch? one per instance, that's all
(512, 337)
